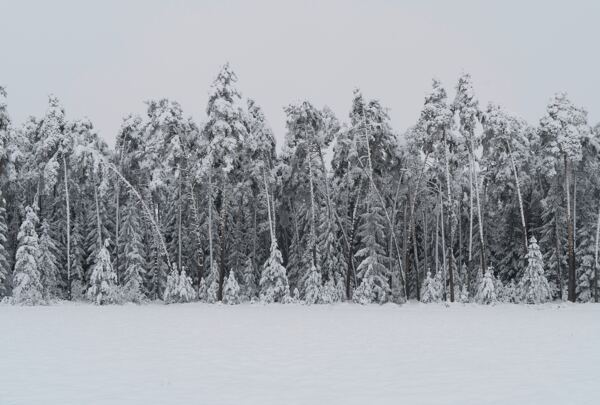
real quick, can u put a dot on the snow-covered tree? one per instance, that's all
(534, 288)
(364, 293)
(562, 130)
(372, 256)
(231, 290)
(179, 287)
(273, 280)
(132, 263)
(486, 293)
(5, 270)
(27, 287)
(103, 288)
(47, 262)
(312, 286)
(249, 281)
(430, 292)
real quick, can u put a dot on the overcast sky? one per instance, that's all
(104, 58)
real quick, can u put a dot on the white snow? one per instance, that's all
(294, 354)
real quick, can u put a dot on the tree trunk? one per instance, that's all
(557, 247)
(222, 253)
(268, 207)
(521, 210)
(479, 216)
(179, 244)
(312, 211)
(443, 237)
(570, 236)
(450, 222)
(416, 254)
(405, 258)
(210, 233)
(68, 214)
(596, 259)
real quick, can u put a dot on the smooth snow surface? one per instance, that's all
(295, 354)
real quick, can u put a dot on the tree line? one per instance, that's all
(471, 203)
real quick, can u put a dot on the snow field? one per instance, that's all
(295, 354)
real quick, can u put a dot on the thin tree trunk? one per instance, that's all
(146, 210)
(99, 222)
(521, 210)
(117, 223)
(479, 215)
(179, 244)
(570, 246)
(268, 207)
(443, 237)
(450, 222)
(437, 240)
(470, 218)
(416, 253)
(558, 270)
(68, 228)
(596, 259)
(222, 253)
(425, 236)
(405, 252)
(210, 233)
(312, 211)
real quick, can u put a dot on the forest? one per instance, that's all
(470, 204)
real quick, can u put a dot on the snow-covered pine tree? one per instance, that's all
(170, 294)
(372, 254)
(186, 289)
(212, 283)
(179, 287)
(78, 256)
(202, 290)
(435, 123)
(27, 287)
(225, 133)
(249, 281)
(47, 263)
(332, 292)
(466, 107)
(562, 130)
(4, 256)
(103, 288)
(273, 280)
(485, 290)
(312, 286)
(534, 288)
(364, 294)
(132, 262)
(430, 291)
(231, 290)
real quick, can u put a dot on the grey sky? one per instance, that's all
(104, 58)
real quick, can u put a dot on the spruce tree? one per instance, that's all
(273, 280)
(429, 291)
(132, 262)
(103, 288)
(534, 288)
(312, 286)
(249, 280)
(47, 263)
(372, 254)
(4, 256)
(231, 290)
(27, 287)
(486, 293)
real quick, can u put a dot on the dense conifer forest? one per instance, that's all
(470, 204)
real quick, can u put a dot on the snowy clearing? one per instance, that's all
(295, 354)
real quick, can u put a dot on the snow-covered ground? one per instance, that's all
(294, 354)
